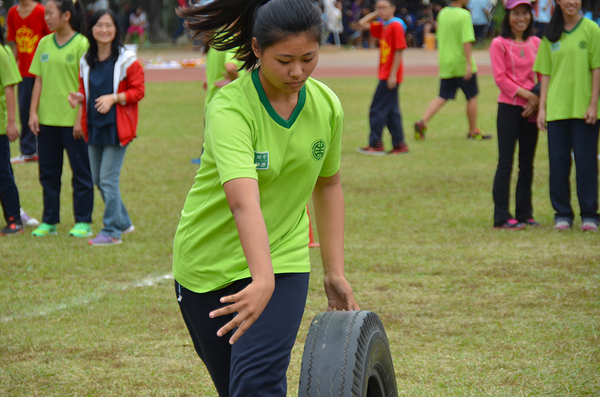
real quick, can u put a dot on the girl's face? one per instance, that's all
(569, 7)
(54, 18)
(104, 31)
(287, 64)
(519, 18)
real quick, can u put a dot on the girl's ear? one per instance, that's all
(255, 48)
(66, 16)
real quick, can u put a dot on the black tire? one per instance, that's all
(347, 354)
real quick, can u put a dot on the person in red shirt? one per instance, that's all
(25, 28)
(385, 108)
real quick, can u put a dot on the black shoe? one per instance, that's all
(12, 229)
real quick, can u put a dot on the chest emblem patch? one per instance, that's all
(555, 46)
(261, 160)
(70, 58)
(582, 45)
(317, 150)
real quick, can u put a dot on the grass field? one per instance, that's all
(468, 310)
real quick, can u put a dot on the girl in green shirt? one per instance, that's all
(569, 61)
(57, 126)
(273, 140)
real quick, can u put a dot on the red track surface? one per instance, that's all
(197, 74)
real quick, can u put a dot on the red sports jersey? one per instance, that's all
(391, 39)
(26, 33)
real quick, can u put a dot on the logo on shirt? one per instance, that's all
(70, 58)
(318, 149)
(261, 160)
(582, 45)
(385, 49)
(44, 57)
(555, 46)
(26, 40)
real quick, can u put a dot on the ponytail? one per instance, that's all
(556, 25)
(227, 24)
(75, 7)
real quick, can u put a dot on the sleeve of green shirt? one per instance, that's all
(229, 139)
(8, 67)
(468, 34)
(36, 64)
(594, 48)
(331, 164)
(83, 47)
(543, 62)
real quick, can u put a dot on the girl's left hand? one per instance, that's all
(104, 103)
(12, 131)
(77, 131)
(339, 294)
(591, 116)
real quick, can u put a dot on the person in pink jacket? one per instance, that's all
(513, 54)
(111, 83)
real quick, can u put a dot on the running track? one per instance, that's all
(197, 74)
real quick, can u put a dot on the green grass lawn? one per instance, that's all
(468, 310)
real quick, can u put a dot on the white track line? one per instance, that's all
(149, 281)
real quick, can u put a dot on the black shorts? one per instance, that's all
(448, 87)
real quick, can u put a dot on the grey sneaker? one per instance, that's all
(130, 229)
(27, 220)
(563, 225)
(589, 226)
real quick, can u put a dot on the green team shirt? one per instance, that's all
(246, 138)
(9, 75)
(454, 30)
(569, 63)
(59, 69)
(215, 70)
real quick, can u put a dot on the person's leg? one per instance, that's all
(528, 137)
(260, 358)
(378, 113)
(394, 121)
(585, 148)
(470, 89)
(507, 127)
(83, 187)
(179, 31)
(50, 162)
(214, 351)
(115, 217)
(433, 107)
(9, 195)
(472, 115)
(448, 89)
(27, 139)
(559, 156)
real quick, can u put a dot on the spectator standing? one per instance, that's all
(9, 195)
(543, 10)
(58, 127)
(385, 108)
(111, 83)
(569, 61)
(26, 27)
(455, 38)
(183, 4)
(479, 17)
(513, 55)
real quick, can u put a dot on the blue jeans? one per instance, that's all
(105, 163)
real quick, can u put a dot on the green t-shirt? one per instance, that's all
(215, 70)
(569, 63)
(246, 138)
(454, 30)
(59, 70)
(9, 75)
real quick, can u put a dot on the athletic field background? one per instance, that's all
(468, 310)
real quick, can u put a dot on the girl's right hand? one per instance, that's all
(541, 119)
(34, 123)
(75, 99)
(249, 303)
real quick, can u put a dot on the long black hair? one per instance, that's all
(594, 7)
(556, 25)
(92, 55)
(227, 24)
(75, 7)
(506, 31)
